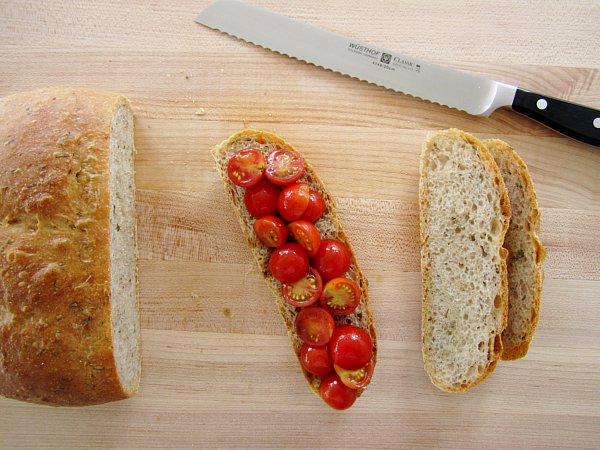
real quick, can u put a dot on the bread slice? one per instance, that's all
(464, 214)
(69, 326)
(525, 252)
(328, 226)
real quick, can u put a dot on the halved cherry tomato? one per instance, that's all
(305, 291)
(314, 326)
(332, 260)
(293, 201)
(335, 393)
(246, 167)
(340, 296)
(270, 230)
(307, 235)
(316, 206)
(284, 167)
(356, 379)
(288, 263)
(316, 360)
(261, 199)
(351, 347)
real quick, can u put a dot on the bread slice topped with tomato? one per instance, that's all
(290, 223)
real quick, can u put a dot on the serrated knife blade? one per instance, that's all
(406, 74)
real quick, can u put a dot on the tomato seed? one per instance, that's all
(274, 238)
(301, 236)
(358, 375)
(294, 295)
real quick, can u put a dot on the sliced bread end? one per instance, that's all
(526, 252)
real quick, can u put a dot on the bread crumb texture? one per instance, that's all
(464, 216)
(55, 323)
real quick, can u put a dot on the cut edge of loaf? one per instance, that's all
(490, 352)
(123, 249)
(525, 224)
(328, 225)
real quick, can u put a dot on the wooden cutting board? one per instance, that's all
(218, 369)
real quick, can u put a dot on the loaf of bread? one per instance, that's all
(464, 216)
(69, 328)
(525, 252)
(328, 226)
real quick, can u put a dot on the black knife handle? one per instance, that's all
(576, 121)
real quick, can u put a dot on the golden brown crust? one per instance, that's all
(516, 351)
(494, 354)
(55, 325)
(363, 316)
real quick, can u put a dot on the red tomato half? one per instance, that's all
(305, 291)
(284, 167)
(351, 347)
(332, 260)
(293, 201)
(246, 167)
(340, 296)
(270, 230)
(307, 235)
(335, 393)
(314, 326)
(316, 206)
(316, 360)
(288, 263)
(261, 199)
(356, 379)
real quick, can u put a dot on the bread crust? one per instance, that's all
(55, 322)
(329, 227)
(503, 150)
(495, 352)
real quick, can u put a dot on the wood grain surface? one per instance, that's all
(218, 370)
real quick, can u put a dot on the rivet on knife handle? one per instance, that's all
(576, 121)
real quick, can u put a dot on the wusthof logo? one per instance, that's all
(363, 49)
(386, 58)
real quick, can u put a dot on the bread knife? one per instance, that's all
(473, 94)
